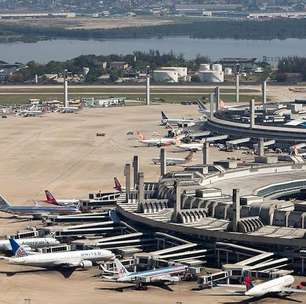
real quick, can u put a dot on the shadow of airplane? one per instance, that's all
(259, 299)
(65, 272)
(134, 287)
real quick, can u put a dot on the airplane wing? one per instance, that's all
(228, 293)
(165, 278)
(231, 286)
(161, 278)
(293, 290)
(67, 263)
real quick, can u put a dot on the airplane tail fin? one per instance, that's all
(140, 136)
(248, 282)
(120, 268)
(177, 141)
(3, 203)
(117, 184)
(222, 105)
(18, 251)
(189, 157)
(50, 199)
(202, 107)
(163, 116)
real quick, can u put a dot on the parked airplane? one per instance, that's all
(65, 259)
(159, 276)
(159, 142)
(176, 121)
(50, 199)
(32, 243)
(198, 146)
(175, 161)
(272, 288)
(35, 211)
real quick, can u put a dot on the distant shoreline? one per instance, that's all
(239, 29)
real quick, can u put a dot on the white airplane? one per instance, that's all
(176, 121)
(50, 199)
(158, 142)
(32, 243)
(35, 211)
(275, 287)
(175, 161)
(189, 147)
(149, 277)
(65, 259)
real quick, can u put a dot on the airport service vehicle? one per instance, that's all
(149, 277)
(65, 259)
(175, 161)
(36, 211)
(272, 288)
(32, 112)
(50, 199)
(67, 109)
(176, 121)
(158, 142)
(32, 243)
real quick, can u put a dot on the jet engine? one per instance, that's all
(86, 264)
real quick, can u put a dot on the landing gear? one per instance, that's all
(141, 286)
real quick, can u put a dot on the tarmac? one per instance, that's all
(61, 153)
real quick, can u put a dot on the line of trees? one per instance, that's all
(138, 61)
(240, 29)
(291, 64)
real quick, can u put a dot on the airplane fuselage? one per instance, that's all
(63, 259)
(274, 286)
(31, 242)
(39, 210)
(152, 275)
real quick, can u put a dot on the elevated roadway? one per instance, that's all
(243, 130)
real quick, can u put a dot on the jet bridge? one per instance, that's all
(260, 264)
(260, 261)
(215, 138)
(84, 217)
(100, 228)
(238, 141)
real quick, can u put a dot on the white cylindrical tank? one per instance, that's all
(217, 67)
(85, 71)
(182, 71)
(204, 67)
(211, 76)
(165, 76)
(228, 71)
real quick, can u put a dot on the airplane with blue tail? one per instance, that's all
(60, 260)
